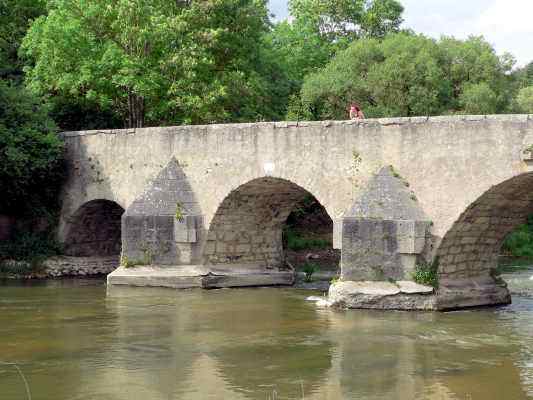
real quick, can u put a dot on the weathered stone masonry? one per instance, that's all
(470, 176)
(247, 227)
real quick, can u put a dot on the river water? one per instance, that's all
(76, 339)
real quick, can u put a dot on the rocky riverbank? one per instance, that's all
(61, 266)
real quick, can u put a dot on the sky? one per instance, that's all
(506, 24)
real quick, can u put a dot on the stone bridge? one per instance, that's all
(205, 205)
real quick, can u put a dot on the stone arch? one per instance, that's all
(94, 229)
(248, 224)
(469, 250)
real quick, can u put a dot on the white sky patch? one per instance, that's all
(506, 24)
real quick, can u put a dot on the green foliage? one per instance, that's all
(342, 21)
(318, 30)
(31, 154)
(520, 242)
(525, 99)
(127, 263)
(309, 269)
(27, 248)
(406, 75)
(15, 18)
(335, 280)
(155, 61)
(179, 212)
(478, 98)
(426, 274)
(296, 242)
(146, 260)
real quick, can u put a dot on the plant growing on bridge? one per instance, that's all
(426, 274)
(528, 149)
(179, 212)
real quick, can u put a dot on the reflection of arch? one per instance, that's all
(94, 229)
(247, 227)
(471, 247)
(269, 351)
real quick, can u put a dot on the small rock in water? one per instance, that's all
(323, 303)
(320, 301)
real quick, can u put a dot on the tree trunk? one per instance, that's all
(135, 111)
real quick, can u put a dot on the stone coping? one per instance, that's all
(516, 118)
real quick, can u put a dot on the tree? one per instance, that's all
(15, 18)
(475, 70)
(478, 98)
(342, 21)
(153, 61)
(31, 154)
(319, 29)
(406, 74)
(397, 76)
(525, 99)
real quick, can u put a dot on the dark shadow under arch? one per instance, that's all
(248, 225)
(95, 230)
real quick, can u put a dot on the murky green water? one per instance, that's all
(72, 340)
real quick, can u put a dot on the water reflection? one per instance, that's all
(74, 341)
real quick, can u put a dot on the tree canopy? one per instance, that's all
(406, 74)
(154, 61)
(15, 18)
(318, 29)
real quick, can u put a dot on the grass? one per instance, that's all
(309, 269)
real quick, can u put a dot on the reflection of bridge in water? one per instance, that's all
(224, 349)
(212, 200)
(161, 344)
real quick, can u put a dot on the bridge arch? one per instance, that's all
(94, 229)
(470, 248)
(247, 226)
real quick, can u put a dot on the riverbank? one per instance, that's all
(59, 267)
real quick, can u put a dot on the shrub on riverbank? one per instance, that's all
(520, 242)
(25, 253)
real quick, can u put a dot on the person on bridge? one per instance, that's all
(356, 112)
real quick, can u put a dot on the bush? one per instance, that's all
(525, 99)
(519, 243)
(309, 269)
(426, 274)
(29, 248)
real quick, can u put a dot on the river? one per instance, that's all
(77, 339)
